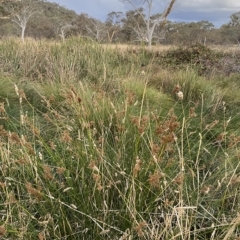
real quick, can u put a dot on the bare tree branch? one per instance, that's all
(96, 29)
(147, 34)
(20, 12)
(63, 31)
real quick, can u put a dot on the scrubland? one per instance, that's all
(98, 143)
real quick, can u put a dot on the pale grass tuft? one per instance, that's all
(180, 95)
(73, 206)
(2, 109)
(137, 167)
(67, 189)
(205, 189)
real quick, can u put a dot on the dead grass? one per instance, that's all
(127, 47)
(226, 48)
(83, 163)
(161, 48)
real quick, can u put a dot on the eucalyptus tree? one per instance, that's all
(235, 25)
(231, 30)
(146, 33)
(96, 29)
(113, 24)
(132, 21)
(20, 12)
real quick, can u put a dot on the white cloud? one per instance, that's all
(216, 11)
(206, 5)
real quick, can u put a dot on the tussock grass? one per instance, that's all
(92, 148)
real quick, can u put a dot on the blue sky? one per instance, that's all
(216, 11)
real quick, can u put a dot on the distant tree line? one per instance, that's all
(41, 19)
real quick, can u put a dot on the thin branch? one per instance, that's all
(147, 34)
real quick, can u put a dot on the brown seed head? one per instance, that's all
(2, 231)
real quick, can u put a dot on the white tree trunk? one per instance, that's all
(23, 32)
(148, 34)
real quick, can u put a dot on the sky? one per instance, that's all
(216, 11)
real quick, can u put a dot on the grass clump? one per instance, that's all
(115, 155)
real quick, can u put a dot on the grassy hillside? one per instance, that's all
(99, 143)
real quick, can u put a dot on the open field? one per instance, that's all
(98, 143)
(160, 47)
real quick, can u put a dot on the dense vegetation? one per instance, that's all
(97, 142)
(51, 21)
